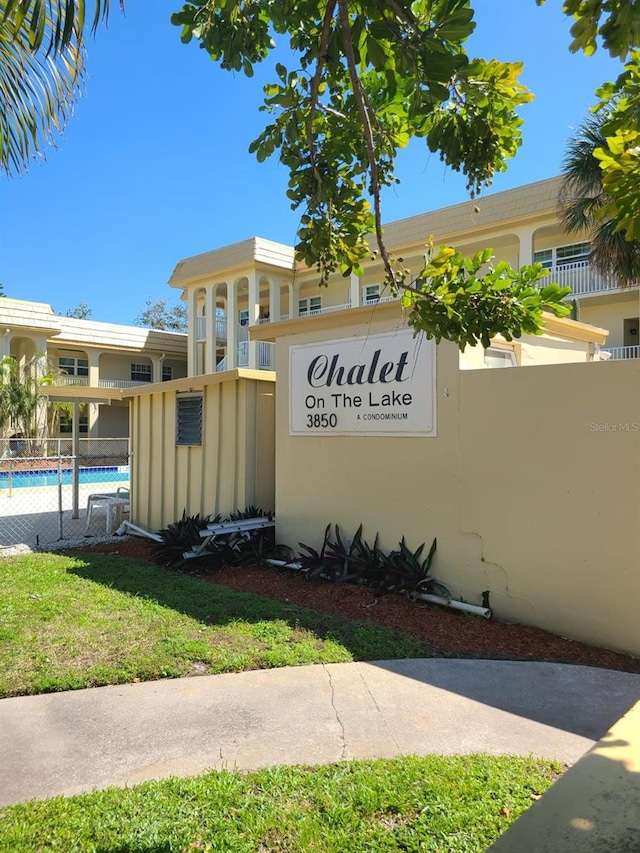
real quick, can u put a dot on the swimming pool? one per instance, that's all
(38, 478)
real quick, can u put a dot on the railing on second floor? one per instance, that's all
(119, 383)
(201, 328)
(83, 382)
(583, 279)
(266, 356)
(622, 352)
(65, 379)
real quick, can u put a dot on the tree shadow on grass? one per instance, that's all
(212, 604)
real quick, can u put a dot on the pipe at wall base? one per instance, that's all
(485, 612)
(129, 527)
(283, 564)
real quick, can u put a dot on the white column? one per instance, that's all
(210, 329)
(93, 411)
(40, 357)
(354, 290)
(232, 324)
(6, 343)
(156, 367)
(525, 255)
(293, 301)
(274, 299)
(254, 312)
(93, 356)
(192, 343)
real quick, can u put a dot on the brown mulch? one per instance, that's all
(447, 632)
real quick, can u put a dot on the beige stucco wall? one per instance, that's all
(549, 462)
(610, 312)
(234, 466)
(526, 498)
(531, 350)
(112, 421)
(118, 366)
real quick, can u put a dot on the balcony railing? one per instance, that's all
(622, 352)
(266, 356)
(71, 380)
(119, 383)
(201, 328)
(583, 279)
(83, 382)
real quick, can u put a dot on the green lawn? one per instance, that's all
(442, 804)
(94, 619)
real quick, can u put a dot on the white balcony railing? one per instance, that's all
(201, 328)
(622, 352)
(583, 279)
(266, 356)
(118, 383)
(71, 380)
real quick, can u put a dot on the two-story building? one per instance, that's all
(258, 281)
(89, 362)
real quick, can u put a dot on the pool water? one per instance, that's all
(88, 476)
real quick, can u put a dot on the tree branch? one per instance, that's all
(317, 77)
(363, 108)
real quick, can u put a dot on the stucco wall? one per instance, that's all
(113, 421)
(527, 499)
(611, 312)
(118, 365)
(232, 468)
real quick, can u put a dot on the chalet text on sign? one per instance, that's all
(373, 385)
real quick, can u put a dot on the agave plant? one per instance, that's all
(314, 563)
(406, 571)
(180, 536)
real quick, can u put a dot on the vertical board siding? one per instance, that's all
(234, 467)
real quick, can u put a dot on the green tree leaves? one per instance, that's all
(467, 301)
(369, 77)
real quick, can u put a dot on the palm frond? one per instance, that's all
(37, 94)
(41, 73)
(582, 199)
(52, 24)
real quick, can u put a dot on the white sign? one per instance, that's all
(373, 385)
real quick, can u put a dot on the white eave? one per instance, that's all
(18, 315)
(238, 257)
(531, 201)
(116, 336)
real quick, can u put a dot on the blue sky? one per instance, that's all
(154, 165)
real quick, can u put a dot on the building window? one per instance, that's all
(500, 357)
(312, 305)
(141, 373)
(244, 318)
(71, 366)
(66, 424)
(370, 294)
(167, 373)
(545, 257)
(562, 255)
(189, 419)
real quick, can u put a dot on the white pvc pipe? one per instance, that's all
(283, 563)
(130, 527)
(485, 612)
(452, 603)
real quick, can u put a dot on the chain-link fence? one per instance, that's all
(48, 494)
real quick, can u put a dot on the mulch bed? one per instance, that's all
(447, 632)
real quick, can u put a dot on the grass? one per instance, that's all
(445, 804)
(68, 622)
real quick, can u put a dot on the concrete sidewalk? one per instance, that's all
(65, 743)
